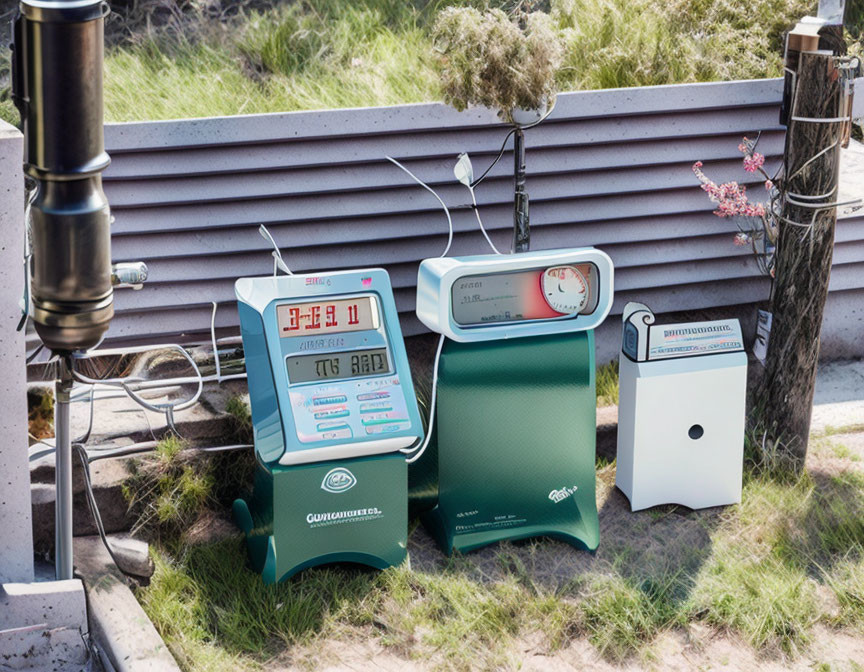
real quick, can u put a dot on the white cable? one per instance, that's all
(431, 191)
(168, 408)
(278, 262)
(213, 342)
(482, 229)
(819, 120)
(418, 452)
(27, 299)
(128, 350)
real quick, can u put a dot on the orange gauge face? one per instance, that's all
(565, 289)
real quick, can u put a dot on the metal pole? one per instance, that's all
(521, 231)
(63, 471)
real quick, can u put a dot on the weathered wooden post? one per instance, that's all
(784, 399)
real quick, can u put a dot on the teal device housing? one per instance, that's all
(333, 411)
(513, 450)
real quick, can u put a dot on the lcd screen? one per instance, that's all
(351, 364)
(519, 295)
(327, 317)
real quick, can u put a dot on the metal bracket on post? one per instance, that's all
(521, 227)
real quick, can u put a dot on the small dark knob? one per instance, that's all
(695, 432)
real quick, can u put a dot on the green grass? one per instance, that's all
(620, 616)
(607, 384)
(240, 414)
(217, 615)
(167, 492)
(347, 53)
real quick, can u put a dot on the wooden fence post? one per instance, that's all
(804, 252)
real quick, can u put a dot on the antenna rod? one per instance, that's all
(521, 230)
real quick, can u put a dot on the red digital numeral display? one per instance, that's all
(327, 317)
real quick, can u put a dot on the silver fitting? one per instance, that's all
(130, 274)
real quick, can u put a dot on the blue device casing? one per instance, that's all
(280, 408)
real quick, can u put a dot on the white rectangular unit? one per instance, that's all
(681, 412)
(496, 296)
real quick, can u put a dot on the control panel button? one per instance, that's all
(329, 400)
(376, 407)
(384, 419)
(334, 430)
(389, 428)
(372, 396)
(331, 413)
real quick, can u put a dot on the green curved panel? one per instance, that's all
(516, 430)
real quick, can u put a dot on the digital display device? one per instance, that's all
(535, 294)
(327, 317)
(332, 365)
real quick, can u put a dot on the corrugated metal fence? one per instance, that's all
(609, 169)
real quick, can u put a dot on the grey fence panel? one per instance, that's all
(609, 168)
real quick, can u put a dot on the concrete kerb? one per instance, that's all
(119, 625)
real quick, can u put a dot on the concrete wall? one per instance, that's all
(16, 542)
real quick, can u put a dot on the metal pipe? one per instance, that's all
(63, 472)
(521, 230)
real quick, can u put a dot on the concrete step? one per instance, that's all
(43, 626)
(108, 478)
(118, 421)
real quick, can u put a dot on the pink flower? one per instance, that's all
(741, 239)
(730, 197)
(769, 185)
(753, 161)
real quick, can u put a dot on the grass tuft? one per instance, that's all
(847, 584)
(168, 492)
(769, 603)
(620, 616)
(237, 408)
(607, 384)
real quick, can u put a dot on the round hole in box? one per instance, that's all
(695, 432)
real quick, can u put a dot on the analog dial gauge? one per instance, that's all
(565, 289)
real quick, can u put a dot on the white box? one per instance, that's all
(681, 412)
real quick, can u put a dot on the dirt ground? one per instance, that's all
(699, 649)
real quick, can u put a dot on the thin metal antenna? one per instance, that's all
(521, 226)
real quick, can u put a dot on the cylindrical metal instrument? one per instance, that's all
(57, 87)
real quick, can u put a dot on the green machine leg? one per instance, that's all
(293, 522)
(516, 432)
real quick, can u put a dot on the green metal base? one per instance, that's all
(516, 431)
(293, 522)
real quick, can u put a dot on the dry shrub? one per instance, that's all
(486, 58)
